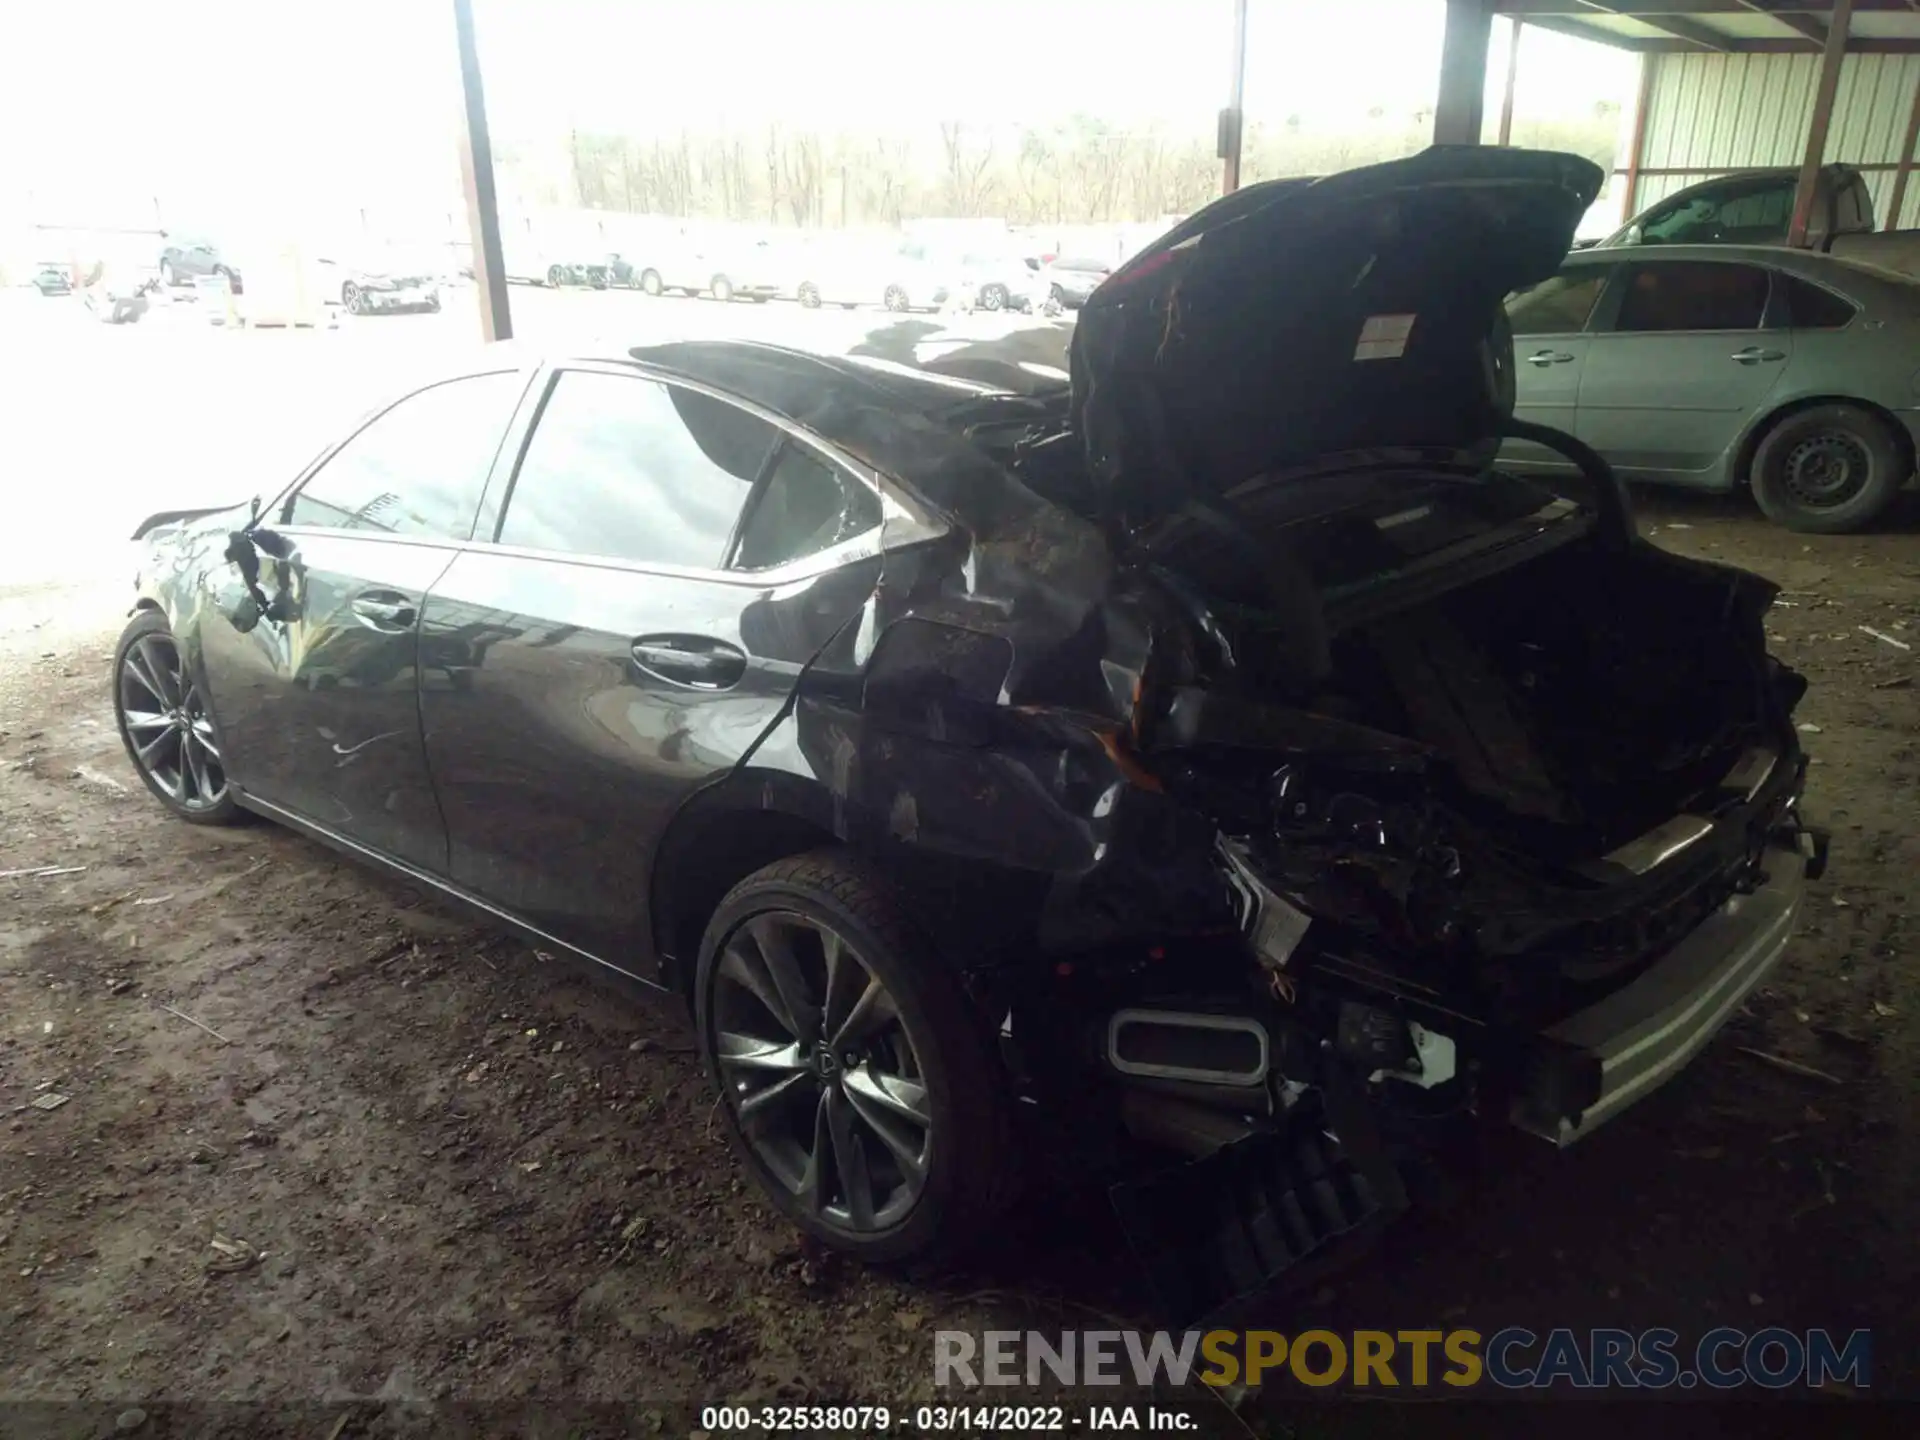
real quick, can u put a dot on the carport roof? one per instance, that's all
(1737, 27)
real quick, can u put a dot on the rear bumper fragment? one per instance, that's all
(1596, 1063)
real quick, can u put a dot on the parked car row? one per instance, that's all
(826, 268)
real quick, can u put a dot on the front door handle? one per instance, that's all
(385, 611)
(1753, 355)
(1544, 358)
(693, 661)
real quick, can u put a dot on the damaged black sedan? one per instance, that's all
(1191, 748)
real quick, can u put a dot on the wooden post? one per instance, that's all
(1233, 118)
(1899, 200)
(476, 173)
(1830, 58)
(1513, 71)
(1463, 73)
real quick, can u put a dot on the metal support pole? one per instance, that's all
(476, 172)
(1830, 58)
(1513, 72)
(1899, 200)
(1463, 73)
(1637, 143)
(1233, 118)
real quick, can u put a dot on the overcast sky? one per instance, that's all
(278, 105)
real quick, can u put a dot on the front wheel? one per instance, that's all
(895, 299)
(163, 722)
(168, 275)
(556, 277)
(1828, 470)
(650, 282)
(995, 297)
(354, 298)
(856, 1080)
(722, 288)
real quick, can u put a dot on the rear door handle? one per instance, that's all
(1753, 355)
(694, 661)
(1544, 358)
(385, 611)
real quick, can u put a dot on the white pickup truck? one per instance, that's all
(1755, 207)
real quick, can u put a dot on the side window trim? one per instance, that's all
(756, 492)
(282, 503)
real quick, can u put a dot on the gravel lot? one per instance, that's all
(393, 1155)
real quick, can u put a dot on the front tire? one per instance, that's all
(895, 299)
(168, 275)
(556, 277)
(722, 288)
(650, 282)
(353, 298)
(995, 297)
(163, 722)
(856, 1080)
(1828, 470)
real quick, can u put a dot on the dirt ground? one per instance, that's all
(394, 1155)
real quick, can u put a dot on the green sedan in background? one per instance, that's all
(1793, 374)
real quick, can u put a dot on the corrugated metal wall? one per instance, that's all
(1711, 113)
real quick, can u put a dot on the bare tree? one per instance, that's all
(968, 181)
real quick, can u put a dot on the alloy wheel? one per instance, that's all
(1826, 470)
(896, 299)
(820, 1071)
(166, 720)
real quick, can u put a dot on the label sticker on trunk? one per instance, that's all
(1384, 337)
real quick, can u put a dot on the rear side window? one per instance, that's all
(419, 468)
(633, 469)
(1693, 295)
(809, 505)
(1558, 306)
(1809, 307)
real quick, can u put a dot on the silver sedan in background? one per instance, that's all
(1794, 374)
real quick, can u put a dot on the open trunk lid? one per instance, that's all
(1298, 319)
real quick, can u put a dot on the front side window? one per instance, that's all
(418, 468)
(809, 505)
(1557, 306)
(1693, 295)
(633, 469)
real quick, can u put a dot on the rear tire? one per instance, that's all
(556, 277)
(650, 282)
(995, 297)
(920, 1051)
(1827, 470)
(722, 288)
